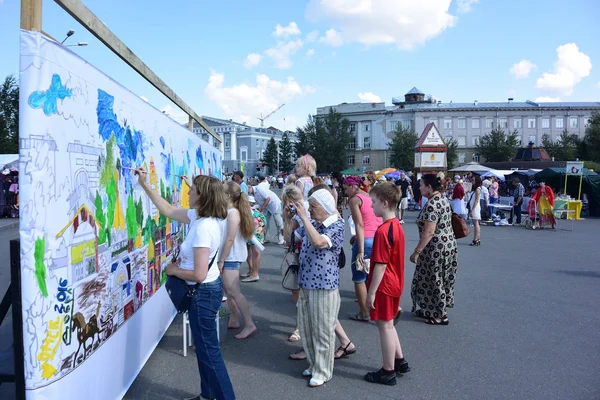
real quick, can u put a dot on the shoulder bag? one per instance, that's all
(290, 267)
(180, 292)
(459, 226)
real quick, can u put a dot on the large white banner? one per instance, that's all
(93, 248)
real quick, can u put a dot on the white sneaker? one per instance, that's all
(401, 221)
(315, 382)
(281, 242)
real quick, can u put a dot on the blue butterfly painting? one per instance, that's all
(48, 99)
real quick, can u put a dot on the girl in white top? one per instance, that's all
(240, 228)
(200, 247)
(306, 168)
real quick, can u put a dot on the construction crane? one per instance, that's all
(262, 119)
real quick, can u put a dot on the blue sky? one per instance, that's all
(238, 59)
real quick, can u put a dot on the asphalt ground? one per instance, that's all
(525, 326)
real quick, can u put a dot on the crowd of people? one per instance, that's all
(228, 219)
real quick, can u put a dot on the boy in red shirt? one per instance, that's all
(386, 281)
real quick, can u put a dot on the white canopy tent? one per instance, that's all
(471, 167)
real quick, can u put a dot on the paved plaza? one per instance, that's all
(525, 326)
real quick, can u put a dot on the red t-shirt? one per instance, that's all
(393, 256)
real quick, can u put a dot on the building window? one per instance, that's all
(475, 123)
(350, 160)
(462, 140)
(475, 140)
(225, 169)
(532, 139)
(366, 127)
(405, 124)
(244, 155)
(517, 123)
(352, 144)
(489, 123)
(531, 123)
(447, 123)
(257, 142)
(393, 126)
(573, 121)
(258, 155)
(352, 127)
(503, 122)
(462, 124)
(205, 137)
(367, 143)
(560, 122)
(475, 157)
(227, 155)
(227, 143)
(545, 123)
(462, 157)
(367, 160)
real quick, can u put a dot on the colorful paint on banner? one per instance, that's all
(93, 247)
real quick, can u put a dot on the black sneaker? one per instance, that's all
(401, 366)
(381, 376)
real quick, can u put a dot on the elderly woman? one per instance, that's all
(319, 279)
(543, 198)
(435, 256)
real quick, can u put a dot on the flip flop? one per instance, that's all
(345, 351)
(358, 317)
(295, 336)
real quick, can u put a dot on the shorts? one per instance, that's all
(403, 203)
(386, 307)
(360, 276)
(232, 265)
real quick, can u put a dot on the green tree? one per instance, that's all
(9, 116)
(306, 136)
(108, 163)
(285, 154)
(271, 155)
(111, 193)
(131, 218)
(100, 219)
(498, 145)
(452, 153)
(591, 141)
(330, 141)
(402, 147)
(565, 148)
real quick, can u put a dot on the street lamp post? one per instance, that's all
(69, 34)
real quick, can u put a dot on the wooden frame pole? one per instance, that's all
(31, 15)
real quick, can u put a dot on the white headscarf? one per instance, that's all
(325, 199)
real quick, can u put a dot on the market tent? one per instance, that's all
(351, 171)
(555, 178)
(471, 167)
(498, 173)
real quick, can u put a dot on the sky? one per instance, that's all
(238, 59)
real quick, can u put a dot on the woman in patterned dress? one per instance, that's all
(435, 256)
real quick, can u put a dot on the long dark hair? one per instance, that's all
(435, 181)
(476, 183)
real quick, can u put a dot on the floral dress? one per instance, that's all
(432, 287)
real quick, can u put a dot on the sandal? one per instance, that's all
(420, 314)
(296, 356)
(360, 318)
(345, 351)
(432, 321)
(381, 376)
(295, 336)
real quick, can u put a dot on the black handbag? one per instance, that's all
(180, 292)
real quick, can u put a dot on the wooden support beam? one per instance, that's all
(31, 15)
(85, 17)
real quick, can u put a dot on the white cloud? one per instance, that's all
(310, 53)
(598, 85)
(522, 69)
(175, 113)
(332, 38)
(406, 23)
(285, 31)
(252, 60)
(369, 97)
(570, 68)
(464, 6)
(282, 51)
(312, 37)
(546, 99)
(141, 97)
(245, 102)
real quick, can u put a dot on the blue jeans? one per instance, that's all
(214, 379)
(493, 200)
(233, 265)
(360, 276)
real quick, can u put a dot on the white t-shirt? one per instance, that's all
(261, 192)
(203, 232)
(239, 250)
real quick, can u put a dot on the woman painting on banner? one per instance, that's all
(201, 245)
(543, 198)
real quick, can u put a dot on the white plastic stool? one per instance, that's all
(188, 339)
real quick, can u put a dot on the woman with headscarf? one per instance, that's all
(544, 199)
(366, 224)
(322, 237)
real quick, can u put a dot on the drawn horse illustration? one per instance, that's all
(85, 331)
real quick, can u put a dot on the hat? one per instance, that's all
(251, 199)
